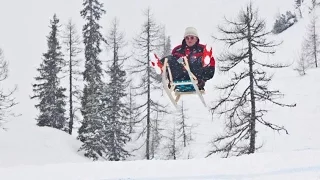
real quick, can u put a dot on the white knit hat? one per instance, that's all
(191, 31)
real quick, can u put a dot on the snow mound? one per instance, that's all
(25, 143)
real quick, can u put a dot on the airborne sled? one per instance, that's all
(175, 89)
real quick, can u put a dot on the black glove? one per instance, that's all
(208, 72)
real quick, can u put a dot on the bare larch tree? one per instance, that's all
(173, 144)
(302, 64)
(311, 46)
(147, 42)
(248, 84)
(6, 99)
(72, 42)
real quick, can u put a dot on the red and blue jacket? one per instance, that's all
(196, 52)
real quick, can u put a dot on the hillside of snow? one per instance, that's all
(296, 165)
(24, 143)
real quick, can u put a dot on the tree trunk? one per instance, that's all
(184, 128)
(315, 48)
(148, 103)
(252, 97)
(70, 86)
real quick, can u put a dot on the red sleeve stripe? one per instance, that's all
(175, 53)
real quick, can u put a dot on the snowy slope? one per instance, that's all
(24, 143)
(297, 165)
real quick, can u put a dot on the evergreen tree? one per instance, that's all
(92, 128)
(184, 130)
(132, 108)
(314, 4)
(6, 99)
(165, 43)
(312, 42)
(148, 41)
(302, 65)
(298, 4)
(48, 89)
(173, 145)
(117, 125)
(156, 135)
(72, 42)
(284, 21)
(167, 46)
(248, 87)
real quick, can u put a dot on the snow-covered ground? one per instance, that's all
(296, 165)
(37, 153)
(24, 143)
(30, 152)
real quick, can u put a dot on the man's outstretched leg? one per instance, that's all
(177, 70)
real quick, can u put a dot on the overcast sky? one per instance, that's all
(25, 25)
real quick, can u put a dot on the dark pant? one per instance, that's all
(179, 73)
